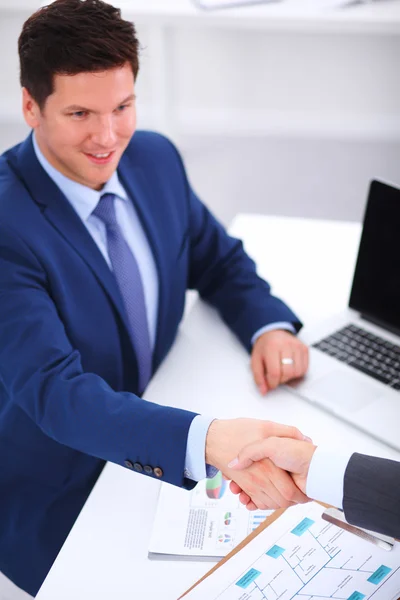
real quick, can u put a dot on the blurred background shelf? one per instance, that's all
(286, 108)
(382, 16)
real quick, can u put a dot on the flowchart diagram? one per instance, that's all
(315, 561)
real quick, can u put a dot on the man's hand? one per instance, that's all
(264, 484)
(292, 455)
(266, 359)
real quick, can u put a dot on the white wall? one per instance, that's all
(282, 122)
(279, 120)
(296, 177)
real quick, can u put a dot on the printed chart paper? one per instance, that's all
(207, 522)
(302, 557)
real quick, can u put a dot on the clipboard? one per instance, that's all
(268, 521)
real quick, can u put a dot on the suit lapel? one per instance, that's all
(59, 212)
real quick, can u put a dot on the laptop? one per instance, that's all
(355, 356)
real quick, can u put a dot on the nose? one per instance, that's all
(104, 134)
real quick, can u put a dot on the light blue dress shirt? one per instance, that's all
(84, 200)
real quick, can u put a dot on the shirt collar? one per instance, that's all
(83, 199)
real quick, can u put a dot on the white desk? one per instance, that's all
(105, 555)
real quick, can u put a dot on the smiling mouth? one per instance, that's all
(100, 157)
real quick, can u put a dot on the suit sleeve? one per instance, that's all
(226, 276)
(372, 494)
(42, 374)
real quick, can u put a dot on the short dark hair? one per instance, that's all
(69, 37)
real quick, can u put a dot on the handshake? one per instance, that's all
(266, 462)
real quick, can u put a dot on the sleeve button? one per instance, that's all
(158, 472)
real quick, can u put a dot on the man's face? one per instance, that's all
(86, 123)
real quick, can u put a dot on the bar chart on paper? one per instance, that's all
(302, 557)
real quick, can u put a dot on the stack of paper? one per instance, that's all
(204, 524)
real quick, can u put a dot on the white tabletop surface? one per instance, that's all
(310, 264)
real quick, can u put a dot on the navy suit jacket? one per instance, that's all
(68, 371)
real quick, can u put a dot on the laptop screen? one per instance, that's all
(376, 285)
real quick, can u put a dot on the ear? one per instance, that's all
(30, 109)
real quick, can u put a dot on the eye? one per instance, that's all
(122, 107)
(79, 114)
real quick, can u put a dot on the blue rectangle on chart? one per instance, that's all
(248, 578)
(379, 575)
(303, 527)
(356, 596)
(275, 552)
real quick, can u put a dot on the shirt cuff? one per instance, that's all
(271, 327)
(195, 463)
(325, 479)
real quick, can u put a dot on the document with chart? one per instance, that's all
(302, 557)
(205, 523)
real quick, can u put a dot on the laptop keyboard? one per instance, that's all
(365, 352)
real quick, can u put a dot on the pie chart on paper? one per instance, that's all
(215, 487)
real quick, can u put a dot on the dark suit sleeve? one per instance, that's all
(372, 494)
(226, 276)
(43, 375)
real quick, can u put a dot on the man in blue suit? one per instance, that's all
(100, 237)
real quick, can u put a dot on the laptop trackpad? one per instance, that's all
(339, 389)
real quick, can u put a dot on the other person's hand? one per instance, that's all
(264, 484)
(292, 455)
(277, 357)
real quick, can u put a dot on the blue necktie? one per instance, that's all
(127, 274)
